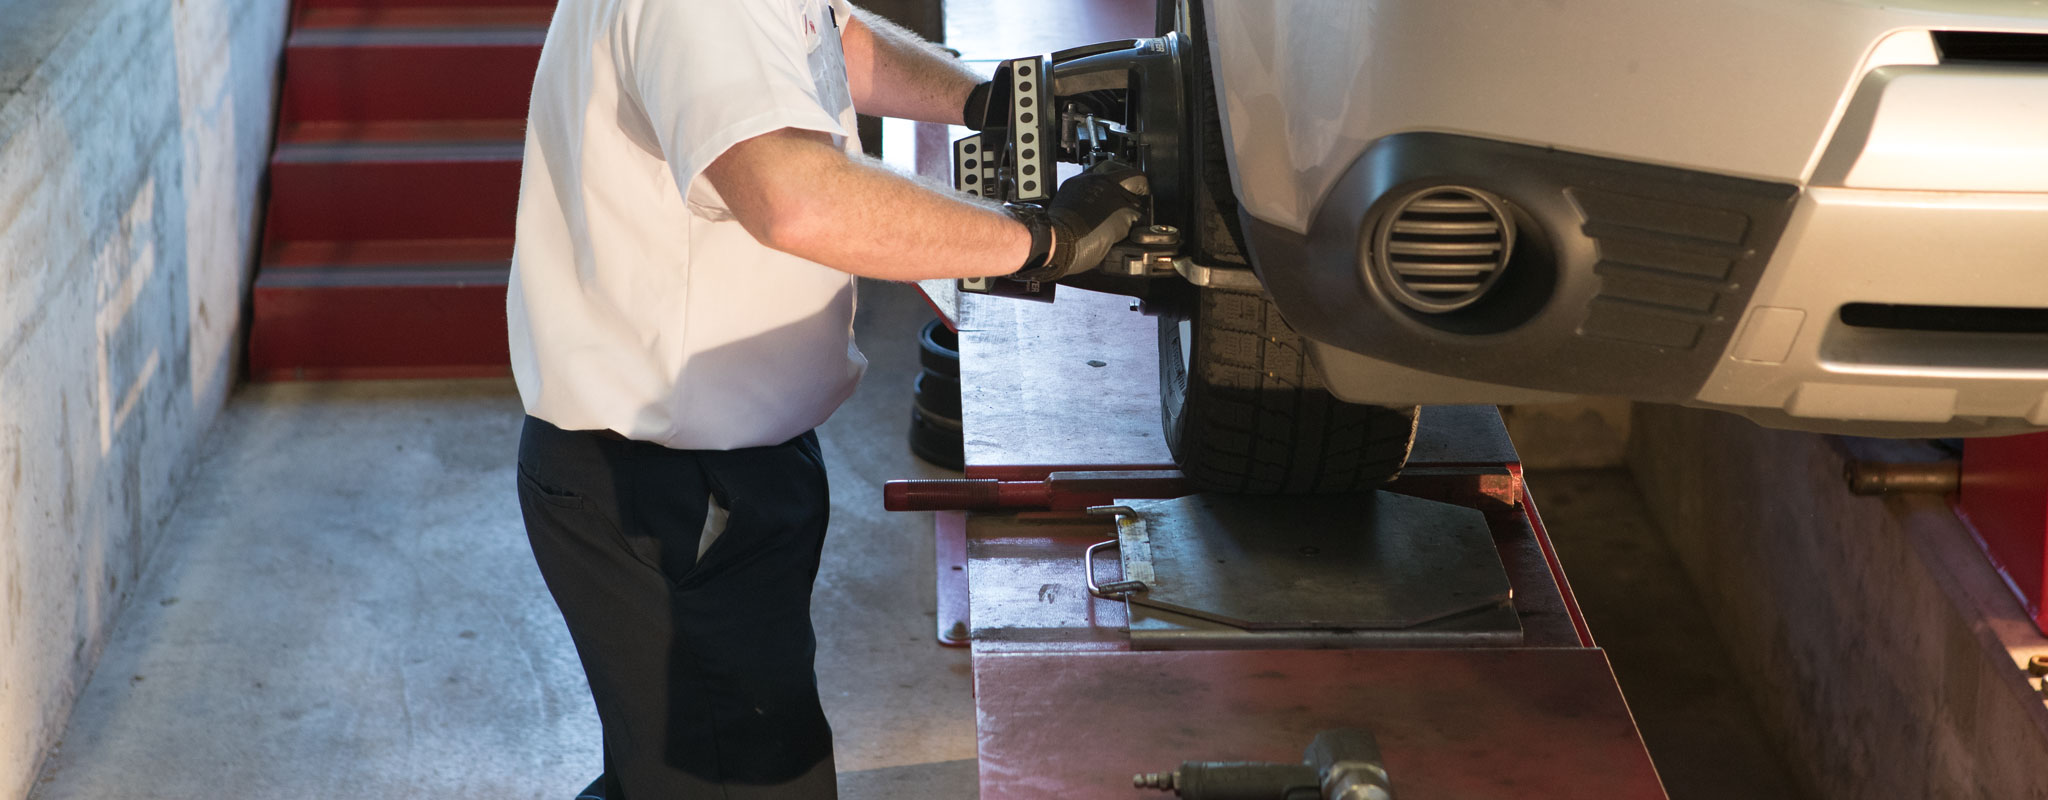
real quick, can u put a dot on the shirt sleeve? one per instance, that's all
(712, 73)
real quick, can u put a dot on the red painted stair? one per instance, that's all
(393, 186)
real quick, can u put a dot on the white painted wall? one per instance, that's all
(133, 135)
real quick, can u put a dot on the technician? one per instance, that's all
(693, 213)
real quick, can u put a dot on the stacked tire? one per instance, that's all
(935, 431)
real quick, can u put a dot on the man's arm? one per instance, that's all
(893, 73)
(797, 192)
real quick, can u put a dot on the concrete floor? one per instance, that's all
(345, 606)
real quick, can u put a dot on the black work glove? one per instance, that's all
(986, 97)
(1089, 214)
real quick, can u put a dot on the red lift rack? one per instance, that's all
(1060, 412)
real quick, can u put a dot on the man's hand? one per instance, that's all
(1088, 215)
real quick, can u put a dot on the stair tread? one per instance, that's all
(510, 35)
(359, 151)
(424, 17)
(443, 193)
(365, 131)
(338, 326)
(382, 252)
(322, 5)
(451, 274)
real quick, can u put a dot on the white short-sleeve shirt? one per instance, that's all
(637, 303)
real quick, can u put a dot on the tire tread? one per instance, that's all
(1255, 417)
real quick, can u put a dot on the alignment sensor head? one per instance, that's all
(1443, 248)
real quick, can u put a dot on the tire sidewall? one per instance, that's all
(1175, 379)
(933, 353)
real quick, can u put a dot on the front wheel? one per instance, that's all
(1245, 411)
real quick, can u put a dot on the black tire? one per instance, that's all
(1243, 407)
(935, 432)
(938, 349)
(936, 442)
(936, 395)
(1245, 411)
(1216, 231)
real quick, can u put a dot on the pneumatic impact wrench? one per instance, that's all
(1340, 764)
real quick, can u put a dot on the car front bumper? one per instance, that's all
(1967, 351)
(1875, 311)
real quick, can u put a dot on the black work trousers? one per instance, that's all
(702, 668)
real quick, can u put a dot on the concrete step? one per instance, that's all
(375, 253)
(308, 18)
(372, 189)
(411, 64)
(328, 310)
(322, 5)
(333, 132)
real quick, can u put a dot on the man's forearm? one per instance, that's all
(798, 193)
(893, 73)
(874, 222)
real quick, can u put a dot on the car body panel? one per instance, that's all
(1873, 246)
(1911, 181)
(1955, 128)
(1742, 87)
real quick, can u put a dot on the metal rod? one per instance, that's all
(1877, 478)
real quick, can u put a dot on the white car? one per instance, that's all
(1826, 215)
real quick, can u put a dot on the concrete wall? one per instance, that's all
(1587, 433)
(133, 135)
(1882, 651)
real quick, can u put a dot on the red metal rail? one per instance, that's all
(2004, 500)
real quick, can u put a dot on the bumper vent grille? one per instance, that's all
(1442, 249)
